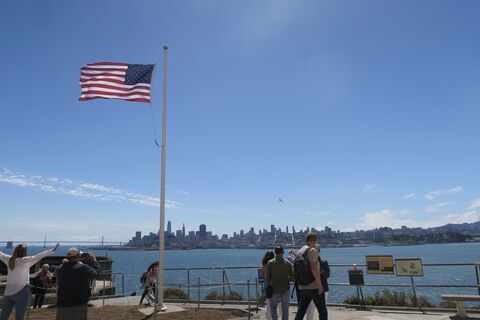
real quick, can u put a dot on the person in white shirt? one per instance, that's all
(18, 279)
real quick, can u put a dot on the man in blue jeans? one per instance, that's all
(279, 275)
(312, 291)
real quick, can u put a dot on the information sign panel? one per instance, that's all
(409, 267)
(379, 264)
(355, 277)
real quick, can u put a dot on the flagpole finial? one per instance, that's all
(165, 46)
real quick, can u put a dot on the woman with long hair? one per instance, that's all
(148, 280)
(269, 255)
(18, 278)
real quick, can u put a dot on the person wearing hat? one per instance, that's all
(279, 275)
(73, 284)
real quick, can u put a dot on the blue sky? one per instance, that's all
(358, 114)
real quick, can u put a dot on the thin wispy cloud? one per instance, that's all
(79, 189)
(437, 207)
(397, 218)
(474, 205)
(410, 196)
(433, 194)
(370, 187)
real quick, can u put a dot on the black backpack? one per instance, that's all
(325, 269)
(143, 278)
(301, 269)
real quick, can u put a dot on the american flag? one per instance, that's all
(113, 80)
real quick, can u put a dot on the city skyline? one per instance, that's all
(326, 237)
(351, 115)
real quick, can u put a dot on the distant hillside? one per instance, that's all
(468, 227)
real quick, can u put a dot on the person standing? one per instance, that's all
(41, 283)
(18, 279)
(314, 290)
(279, 275)
(324, 274)
(269, 255)
(73, 285)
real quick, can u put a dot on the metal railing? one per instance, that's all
(194, 284)
(225, 284)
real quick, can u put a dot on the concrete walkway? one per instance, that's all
(335, 312)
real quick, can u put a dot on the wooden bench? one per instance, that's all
(459, 300)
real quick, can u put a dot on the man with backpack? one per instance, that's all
(307, 274)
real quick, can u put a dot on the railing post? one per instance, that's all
(103, 300)
(123, 284)
(198, 293)
(188, 284)
(248, 298)
(414, 292)
(223, 286)
(477, 267)
(256, 294)
(358, 288)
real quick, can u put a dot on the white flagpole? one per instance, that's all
(161, 244)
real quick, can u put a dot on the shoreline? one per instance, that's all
(125, 248)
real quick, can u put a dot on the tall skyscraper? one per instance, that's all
(202, 234)
(272, 228)
(183, 230)
(286, 229)
(169, 227)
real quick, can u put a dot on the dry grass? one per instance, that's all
(132, 313)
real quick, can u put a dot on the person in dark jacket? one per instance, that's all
(73, 285)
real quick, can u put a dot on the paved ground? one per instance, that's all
(335, 312)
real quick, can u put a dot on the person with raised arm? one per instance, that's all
(18, 279)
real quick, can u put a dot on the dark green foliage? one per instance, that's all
(448, 305)
(233, 296)
(174, 293)
(392, 298)
(212, 295)
(423, 302)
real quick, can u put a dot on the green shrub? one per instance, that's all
(391, 298)
(174, 293)
(423, 302)
(448, 305)
(233, 295)
(351, 300)
(212, 295)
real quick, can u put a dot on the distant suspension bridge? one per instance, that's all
(10, 243)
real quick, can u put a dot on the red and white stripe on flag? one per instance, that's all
(112, 80)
